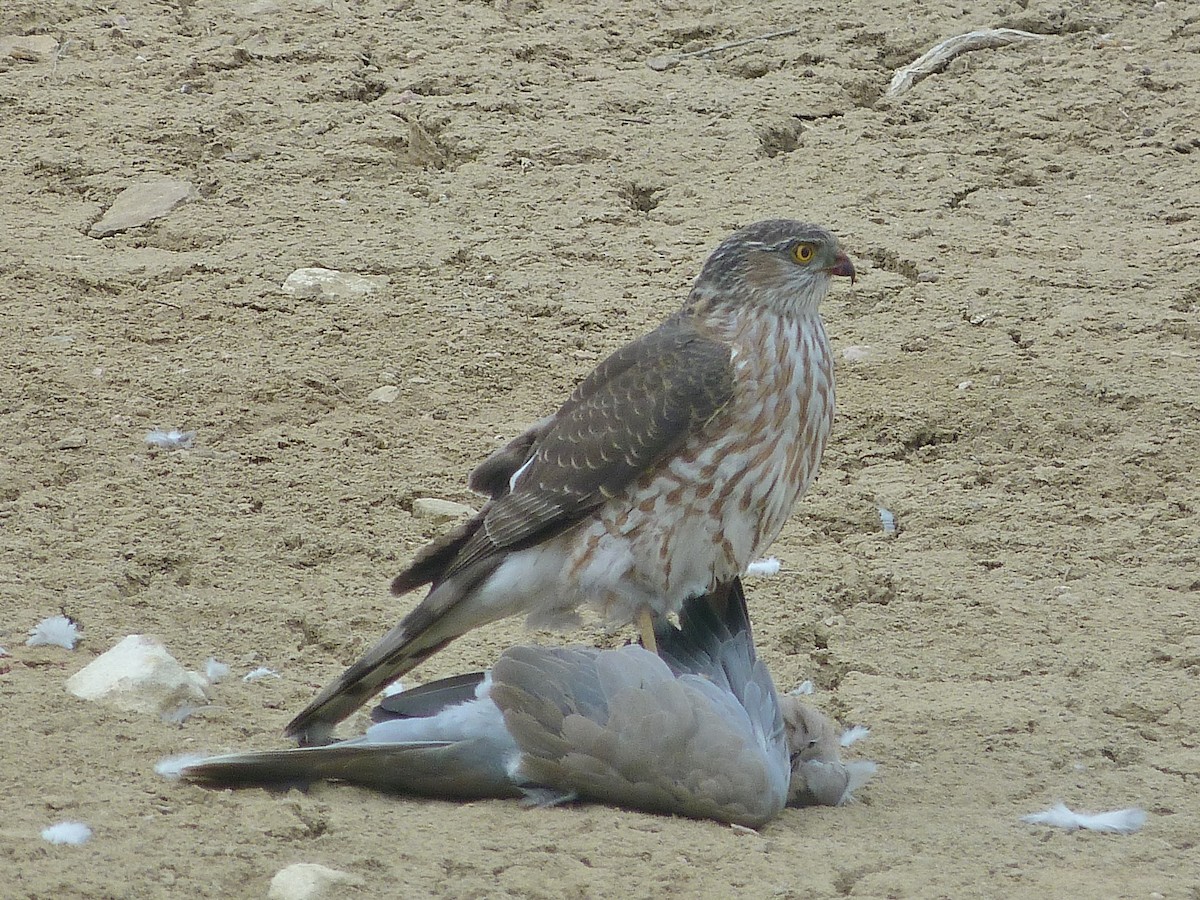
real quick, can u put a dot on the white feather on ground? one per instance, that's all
(763, 568)
(171, 439)
(853, 734)
(260, 672)
(1117, 821)
(170, 767)
(55, 631)
(214, 671)
(71, 833)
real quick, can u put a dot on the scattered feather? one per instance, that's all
(887, 519)
(181, 715)
(259, 673)
(73, 833)
(3, 651)
(396, 687)
(56, 631)
(858, 773)
(172, 766)
(1117, 821)
(854, 734)
(544, 798)
(803, 689)
(742, 829)
(171, 439)
(214, 671)
(763, 568)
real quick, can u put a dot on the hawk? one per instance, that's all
(669, 468)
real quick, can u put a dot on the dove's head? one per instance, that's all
(779, 265)
(811, 735)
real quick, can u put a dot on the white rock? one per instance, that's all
(440, 510)
(141, 203)
(138, 675)
(307, 284)
(309, 881)
(389, 393)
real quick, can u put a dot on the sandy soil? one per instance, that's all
(535, 194)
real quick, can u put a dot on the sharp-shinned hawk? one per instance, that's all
(669, 468)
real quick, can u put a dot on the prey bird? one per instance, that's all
(697, 730)
(671, 467)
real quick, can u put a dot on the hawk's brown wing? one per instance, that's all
(638, 407)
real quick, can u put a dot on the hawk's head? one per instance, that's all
(778, 264)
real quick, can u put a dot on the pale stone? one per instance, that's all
(389, 393)
(310, 881)
(139, 675)
(857, 353)
(307, 284)
(440, 510)
(28, 47)
(141, 203)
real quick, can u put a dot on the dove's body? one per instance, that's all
(698, 732)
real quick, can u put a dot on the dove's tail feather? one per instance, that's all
(440, 618)
(709, 628)
(467, 769)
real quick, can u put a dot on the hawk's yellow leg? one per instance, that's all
(645, 624)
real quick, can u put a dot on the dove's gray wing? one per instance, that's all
(621, 727)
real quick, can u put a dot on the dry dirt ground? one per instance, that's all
(1021, 391)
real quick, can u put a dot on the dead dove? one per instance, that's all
(699, 732)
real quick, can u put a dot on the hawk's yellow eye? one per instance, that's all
(803, 252)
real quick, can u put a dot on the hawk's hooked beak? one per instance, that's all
(842, 266)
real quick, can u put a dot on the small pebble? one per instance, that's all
(389, 393)
(74, 441)
(440, 510)
(313, 283)
(309, 881)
